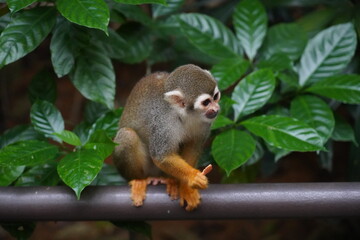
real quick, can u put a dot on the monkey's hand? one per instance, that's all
(198, 180)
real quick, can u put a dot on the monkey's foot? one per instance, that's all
(155, 181)
(138, 191)
(189, 196)
(172, 188)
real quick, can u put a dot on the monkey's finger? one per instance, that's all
(207, 169)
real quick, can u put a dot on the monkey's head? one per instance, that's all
(192, 90)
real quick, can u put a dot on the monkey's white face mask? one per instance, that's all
(205, 104)
(208, 105)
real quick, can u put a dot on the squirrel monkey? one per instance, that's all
(166, 120)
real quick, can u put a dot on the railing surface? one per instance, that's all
(219, 201)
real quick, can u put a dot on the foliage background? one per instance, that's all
(56, 55)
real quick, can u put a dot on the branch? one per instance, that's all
(225, 201)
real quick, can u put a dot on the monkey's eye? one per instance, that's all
(206, 102)
(216, 96)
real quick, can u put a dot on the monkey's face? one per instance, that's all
(208, 105)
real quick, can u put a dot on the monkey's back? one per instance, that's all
(145, 102)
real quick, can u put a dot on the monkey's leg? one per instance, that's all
(190, 196)
(172, 185)
(138, 191)
(130, 159)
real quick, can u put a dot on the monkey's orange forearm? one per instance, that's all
(175, 166)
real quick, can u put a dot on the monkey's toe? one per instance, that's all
(138, 191)
(189, 197)
(172, 188)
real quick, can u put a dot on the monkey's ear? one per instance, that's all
(175, 98)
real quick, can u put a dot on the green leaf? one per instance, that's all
(24, 33)
(9, 174)
(250, 22)
(135, 13)
(279, 110)
(69, 137)
(316, 113)
(162, 51)
(82, 131)
(41, 175)
(344, 88)
(316, 20)
(94, 76)
(253, 92)
(108, 123)
(232, 148)
(221, 121)
(46, 119)
(290, 78)
(100, 143)
(343, 131)
(209, 35)
(27, 153)
(109, 176)
(42, 87)
(226, 104)
(16, 5)
(278, 152)
(19, 133)
(61, 47)
(190, 52)
(285, 133)
(116, 46)
(4, 21)
(88, 13)
(277, 62)
(93, 111)
(229, 71)
(171, 7)
(71, 41)
(168, 26)
(78, 169)
(257, 155)
(246, 174)
(139, 47)
(327, 53)
(285, 38)
(137, 2)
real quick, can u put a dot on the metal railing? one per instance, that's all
(219, 201)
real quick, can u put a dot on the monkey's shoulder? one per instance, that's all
(156, 78)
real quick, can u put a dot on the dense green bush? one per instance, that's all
(282, 82)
